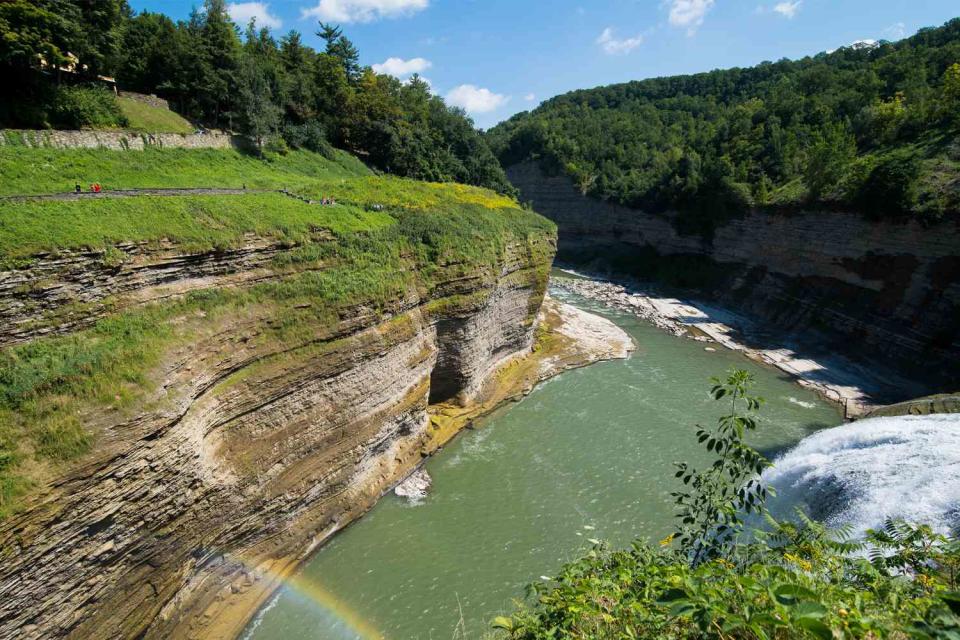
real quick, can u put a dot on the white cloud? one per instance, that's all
(530, 97)
(473, 99)
(612, 46)
(401, 68)
(787, 9)
(241, 12)
(896, 31)
(689, 13)
(362, 10)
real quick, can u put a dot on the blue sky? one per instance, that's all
(498, 57)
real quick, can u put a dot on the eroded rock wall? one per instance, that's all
(251, 454)
(890, 290)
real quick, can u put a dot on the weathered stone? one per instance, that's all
(885, 292)
(185, 516)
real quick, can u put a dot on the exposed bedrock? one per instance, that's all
(883, 292)
(251, 453)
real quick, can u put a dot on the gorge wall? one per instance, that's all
(249, 452)
(880, 291)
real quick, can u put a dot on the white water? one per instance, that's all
(861, 473)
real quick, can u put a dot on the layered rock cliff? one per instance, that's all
(881, 291)
(246, 451)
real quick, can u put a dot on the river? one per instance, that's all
(586, 456)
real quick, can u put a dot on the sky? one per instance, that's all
(495, 58)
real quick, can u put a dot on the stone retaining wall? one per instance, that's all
(119, 140)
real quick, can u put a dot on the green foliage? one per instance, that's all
(792, 579)
(254, 85)
(77, 107)
(891, 187)
(711, 511)
(778, 134)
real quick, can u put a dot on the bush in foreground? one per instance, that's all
(790, 580)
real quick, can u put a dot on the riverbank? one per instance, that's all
(586, 455)
(835, 378)
(566, 338)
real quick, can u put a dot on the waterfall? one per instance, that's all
(863, 472)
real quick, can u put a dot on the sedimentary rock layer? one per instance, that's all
(250, 453)
(885, 290)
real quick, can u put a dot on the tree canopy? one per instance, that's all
(281, 93)
(832, 129)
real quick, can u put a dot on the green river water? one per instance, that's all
(586, 456)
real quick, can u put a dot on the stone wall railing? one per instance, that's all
(119, 140)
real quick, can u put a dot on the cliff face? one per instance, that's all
(249, 452)
(886, 290)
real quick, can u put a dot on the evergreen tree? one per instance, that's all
(220, 45)
(342, 49)
(298, 66)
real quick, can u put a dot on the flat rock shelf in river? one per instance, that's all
(587, 455)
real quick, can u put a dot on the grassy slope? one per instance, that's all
(45, 170)
(48, 384)
(148, 119)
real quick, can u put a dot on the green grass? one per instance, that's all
(54, 389)
(197, 223)
(46, 170)
(149, 119)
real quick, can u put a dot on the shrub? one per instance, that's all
(891, 188)
(790, 580)
(310, 136)
(77, 107)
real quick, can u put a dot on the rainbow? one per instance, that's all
(320, 599)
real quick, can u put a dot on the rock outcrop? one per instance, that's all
(250, 453)
(883, 291)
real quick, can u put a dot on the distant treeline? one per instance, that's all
(872, 127)
(282, 93)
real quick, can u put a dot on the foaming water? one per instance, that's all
(864, 472)
(588, 456)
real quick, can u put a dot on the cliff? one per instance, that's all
(879, 291)
(189, 424)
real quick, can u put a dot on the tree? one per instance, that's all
(260, 85)
(711, 511)
(342, 49)
(220, 47)
(34, 34)
(951, 92)
(298, 77)
(834, 150)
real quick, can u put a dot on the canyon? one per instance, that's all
(882, 295)
(248, 451)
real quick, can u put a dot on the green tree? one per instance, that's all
(260, 85)
(220, 46)
(835, 148)
(951, 92)
(298, 77)
(342, 49)
(37, 33)
(711, 510)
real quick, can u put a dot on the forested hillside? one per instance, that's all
(57, 54)
(868, 127)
